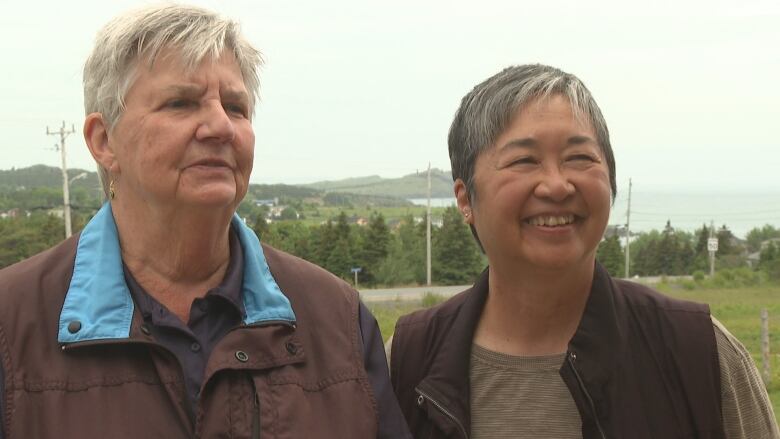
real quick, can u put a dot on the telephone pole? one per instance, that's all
(428, 229)
(628, 233)
(712, 247)
(64, 133)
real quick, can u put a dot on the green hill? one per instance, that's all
(408, 186)
(39, 187)
(44, 176)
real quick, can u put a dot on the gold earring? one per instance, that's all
(111, 190)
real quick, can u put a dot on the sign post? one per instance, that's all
(712, 247)
(355, 271)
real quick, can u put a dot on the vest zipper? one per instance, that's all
(570, 358)
(443, 410)
(255, 412)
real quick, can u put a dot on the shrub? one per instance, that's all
(430, 299)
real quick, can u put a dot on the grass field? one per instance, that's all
(738, 309)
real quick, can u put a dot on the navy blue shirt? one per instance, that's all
(220, 310)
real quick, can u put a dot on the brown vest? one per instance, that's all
(272, 380)
(641, 365)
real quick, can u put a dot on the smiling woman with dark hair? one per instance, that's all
(546, 343)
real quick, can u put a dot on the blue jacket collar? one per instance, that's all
(98, 305)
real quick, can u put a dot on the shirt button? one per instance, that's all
(242, 356)
(195, 347)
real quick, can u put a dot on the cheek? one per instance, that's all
(245, 151)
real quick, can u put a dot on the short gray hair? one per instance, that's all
(140, 35)
(487, 110)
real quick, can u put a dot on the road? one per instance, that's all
(416, 293)
(408, 293)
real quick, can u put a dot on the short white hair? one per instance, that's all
(140, 35)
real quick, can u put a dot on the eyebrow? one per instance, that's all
(184, 90)
(194, 90)
(530, 142)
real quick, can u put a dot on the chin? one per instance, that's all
(212, 198)
(556, 260)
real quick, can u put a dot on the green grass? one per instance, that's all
(739, 309)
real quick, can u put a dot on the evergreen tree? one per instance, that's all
(260, 226)
(340, 253)
(456, 258)
(373, 248)
(610, 254)
(667, 251)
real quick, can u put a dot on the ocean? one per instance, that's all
(739, 211)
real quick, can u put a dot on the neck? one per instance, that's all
(532, 312)
(175, 254)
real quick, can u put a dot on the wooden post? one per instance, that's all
(765, 346)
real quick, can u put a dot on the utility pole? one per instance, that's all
(428, 229)
(63, 133)
(628, 232)
(712, 247)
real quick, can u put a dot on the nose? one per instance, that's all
(554, 185)
(216, 125)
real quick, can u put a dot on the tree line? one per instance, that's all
(675, 252)
(396, 256)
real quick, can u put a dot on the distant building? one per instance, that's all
(267, 202)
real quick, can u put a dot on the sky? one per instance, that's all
(689, 89)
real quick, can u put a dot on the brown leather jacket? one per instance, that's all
(272, 377)
(641, 365)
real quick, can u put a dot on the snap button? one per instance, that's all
(420, 400)
(74, 326)
(195, 347)
(242, 356)
(291, 348)
(145, 329)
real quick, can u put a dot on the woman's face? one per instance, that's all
(185, 138)
(542, 191)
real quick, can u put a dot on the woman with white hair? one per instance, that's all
(546, 343)
(165, 317)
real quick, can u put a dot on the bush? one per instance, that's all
(698, 276)
(430, 299)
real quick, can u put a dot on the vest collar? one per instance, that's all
(597, 337)
(98, 305)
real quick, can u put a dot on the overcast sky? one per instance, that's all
(690, 89)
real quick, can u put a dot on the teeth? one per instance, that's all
(551, 221)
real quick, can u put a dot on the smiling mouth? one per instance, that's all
(551, 220)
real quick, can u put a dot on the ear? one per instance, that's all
(464, 204)
(96, 137)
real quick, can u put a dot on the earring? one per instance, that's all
(466, 213)
(111, 190)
